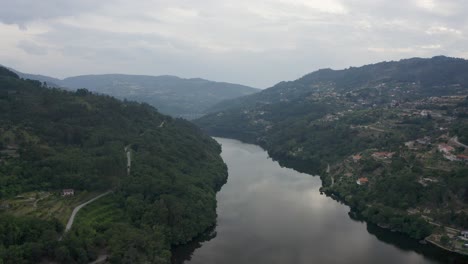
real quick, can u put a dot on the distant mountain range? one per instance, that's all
(187, 98)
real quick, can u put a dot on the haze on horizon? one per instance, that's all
(256, 42)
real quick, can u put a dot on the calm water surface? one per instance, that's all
(269, 214)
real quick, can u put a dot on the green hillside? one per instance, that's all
(411, 108)
(51, 139)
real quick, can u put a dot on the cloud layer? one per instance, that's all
(255, 42)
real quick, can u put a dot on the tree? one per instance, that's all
(444, 240)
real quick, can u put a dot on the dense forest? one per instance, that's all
(51, 139)
(406, 110)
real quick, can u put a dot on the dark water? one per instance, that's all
(269, 214)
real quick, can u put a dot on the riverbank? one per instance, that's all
(449, 241)
(268, 213)
(413, 226)
(437, 232)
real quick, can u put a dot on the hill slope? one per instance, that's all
(419, 78)
(52, 139)
(188, 98)
(395, 118)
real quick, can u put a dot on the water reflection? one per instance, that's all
(183, 253)
(403, 243)
(270, 214)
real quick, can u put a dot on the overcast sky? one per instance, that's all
(252, 42)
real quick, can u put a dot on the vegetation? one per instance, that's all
(188, 98)
(407, 108)
(51, 139)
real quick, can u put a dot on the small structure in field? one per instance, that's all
(464, 234)
(383, 155)
(362, 181)
(462, 157)
(68, 192)
(444, 148)
(424, 141)
(357, 157)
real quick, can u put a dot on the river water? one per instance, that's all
(269, 214)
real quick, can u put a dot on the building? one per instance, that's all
(424, 141)
(383, 155)
(445, 148)
(409, 144)
(462, 157)
(356, 157)
(464, 235)
(451, 157)
(362, 181)
(68, 192)
(425, 113)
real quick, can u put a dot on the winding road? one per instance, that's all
(458, 143)
(129, 158)
(100, 259)
(78, 208)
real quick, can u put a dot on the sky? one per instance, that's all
(251, 42)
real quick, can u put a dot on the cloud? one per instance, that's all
(256, 42)
(21, 12)
(444, 8)
(434, 30)
(32, 48)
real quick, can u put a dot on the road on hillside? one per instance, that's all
(78, 208)
(100, 259)
(458, 143)
(129, 158)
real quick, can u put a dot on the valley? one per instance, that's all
(387, 130)
(171, 95)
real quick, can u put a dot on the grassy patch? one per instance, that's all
(102, 212)
(45, 205)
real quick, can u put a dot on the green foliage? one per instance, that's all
(171, 95)
(325, 117)
(444, 240)
(414, 226)
(461, 129)
(61, 139)
(24, 239)
(7, 73)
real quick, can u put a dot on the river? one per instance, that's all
(269, 214)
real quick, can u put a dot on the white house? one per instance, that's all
(68, 192)
(464, 234)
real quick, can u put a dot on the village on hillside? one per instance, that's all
(431, 154)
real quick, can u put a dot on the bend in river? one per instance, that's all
(269, 214)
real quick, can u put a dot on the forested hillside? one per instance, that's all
(178, 97)
(407, 79)
(51, 139)
(393, 134)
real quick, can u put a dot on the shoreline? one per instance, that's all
(336, 196)
(428, 240)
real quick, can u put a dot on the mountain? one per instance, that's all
(188, 98)
(429, 77)
(389, 139)
(52, 139)
(50, 81)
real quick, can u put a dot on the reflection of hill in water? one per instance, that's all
(269, 214)
(183, 253)
(407, 244)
